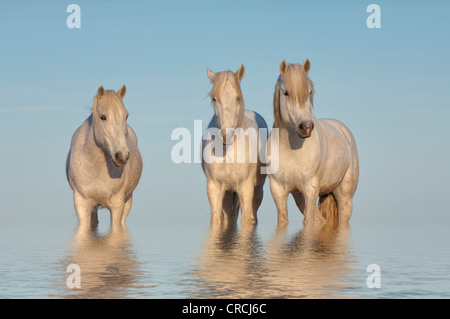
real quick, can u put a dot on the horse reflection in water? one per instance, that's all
(312, 263)
(231, 264)
(108, 265)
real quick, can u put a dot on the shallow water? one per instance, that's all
(190, 260)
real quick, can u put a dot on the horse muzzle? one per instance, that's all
(120, 158)
(227, 136)
(305, 129)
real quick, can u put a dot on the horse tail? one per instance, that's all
(328, 208)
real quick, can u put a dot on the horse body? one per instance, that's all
(104, 165)
(323, 164)
(233, 184)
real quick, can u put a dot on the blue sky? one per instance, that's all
(390, 86)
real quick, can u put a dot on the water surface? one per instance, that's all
(192, 260)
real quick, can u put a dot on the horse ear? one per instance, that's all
(122, 91)
(306, 66)
(100, 92)
(283, 67)
(240, 73)
(211, 75)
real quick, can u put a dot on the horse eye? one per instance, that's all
(286, 93)
(238, 98)
(214, 99)
(127, 116)
(103, 117)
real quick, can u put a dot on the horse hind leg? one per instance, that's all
(328, 209)
(127, 208)
(345, 190)
(344, 207)
(344, 200)
(230, 207)
(299, 200)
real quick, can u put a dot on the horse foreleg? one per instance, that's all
(86, 211)
(257, 197)
(117, 211)
(311, 211)
(215, 197)
(245, 194)
(279, 195)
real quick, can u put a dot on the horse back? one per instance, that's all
(78, 137)
(254, 119)
(338, 151)
(337, 132)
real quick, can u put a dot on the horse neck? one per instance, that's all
(243, 124)
(91, 148)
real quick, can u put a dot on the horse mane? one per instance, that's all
(109, 97)
(297, 84)
(220, 78)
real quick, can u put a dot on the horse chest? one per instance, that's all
(96, 180)
(230, 174)
(297, 169)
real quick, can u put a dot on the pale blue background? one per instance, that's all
(390, 86)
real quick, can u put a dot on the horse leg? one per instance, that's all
(345, 207)
(245, 194)
(311, 211)
(258, 194)
(228, 209)
(279, 195)
(127, 208)
(299, 200)
(86, 211)
(215, 197)
(344, 199)
(344, 194)
(94, 217)
(117, 211)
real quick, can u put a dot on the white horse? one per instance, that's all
(318, 159)
(104, 165)
(233, 184)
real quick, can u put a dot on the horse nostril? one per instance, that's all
(306, 125)
(120, 158)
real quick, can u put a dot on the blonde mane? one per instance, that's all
(109, 98)
(298, 85)
(220, 78)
